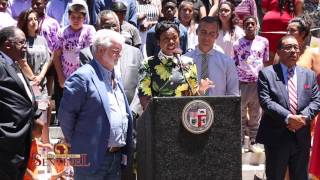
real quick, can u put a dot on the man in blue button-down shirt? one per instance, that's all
(94, 112)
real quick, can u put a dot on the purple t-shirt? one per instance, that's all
(249, 56)
(49, 29)
(71, 43)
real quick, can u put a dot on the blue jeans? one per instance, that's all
(110, 169)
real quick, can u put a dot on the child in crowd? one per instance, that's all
(251, 54)
(72, 39)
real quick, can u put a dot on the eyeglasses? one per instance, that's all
(289, 48)
(109, 26)
(20, 43)
(116, 50)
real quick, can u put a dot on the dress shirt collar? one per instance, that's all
(6, 58)
(106, 74)
(164, 58)
(199, 52)
(285, 68)
(285, 71)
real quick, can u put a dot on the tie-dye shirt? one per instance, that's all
(71, 42)
(49, 29)
(249, 56)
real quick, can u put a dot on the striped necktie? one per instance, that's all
(292, 92)
(204, 66)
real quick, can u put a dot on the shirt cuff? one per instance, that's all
(124, 160)
(287, 119)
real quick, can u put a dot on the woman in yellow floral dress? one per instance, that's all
(166, 74)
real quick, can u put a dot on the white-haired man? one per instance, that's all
(94, 112)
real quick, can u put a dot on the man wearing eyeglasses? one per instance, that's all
(17, 107)
(290, 99)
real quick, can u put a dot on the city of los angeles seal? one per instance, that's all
(197, 116)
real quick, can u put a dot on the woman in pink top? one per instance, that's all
(246, 8)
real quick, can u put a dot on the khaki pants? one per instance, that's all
(250, 110)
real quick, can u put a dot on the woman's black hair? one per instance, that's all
(163, 26)
(283, 4)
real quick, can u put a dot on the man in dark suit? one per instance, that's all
(16, 106)
(94, 112)
(289, 96)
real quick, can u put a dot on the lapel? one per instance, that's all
(100, 86)
(280, 82)
(12, 72)
(123, 63)
(301, 79)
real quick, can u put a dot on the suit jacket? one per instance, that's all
(16, 116)
(274, 100)
(130, 60)
(84, 115)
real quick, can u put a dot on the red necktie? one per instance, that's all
(292, 92)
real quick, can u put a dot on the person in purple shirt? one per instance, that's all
(72, 40)
(251, 53)
(48, 27)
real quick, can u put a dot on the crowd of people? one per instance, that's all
(101, 61)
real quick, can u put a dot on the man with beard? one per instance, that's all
(94, 112)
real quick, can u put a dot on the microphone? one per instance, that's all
(177, 54)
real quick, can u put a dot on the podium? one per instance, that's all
(169, 149)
